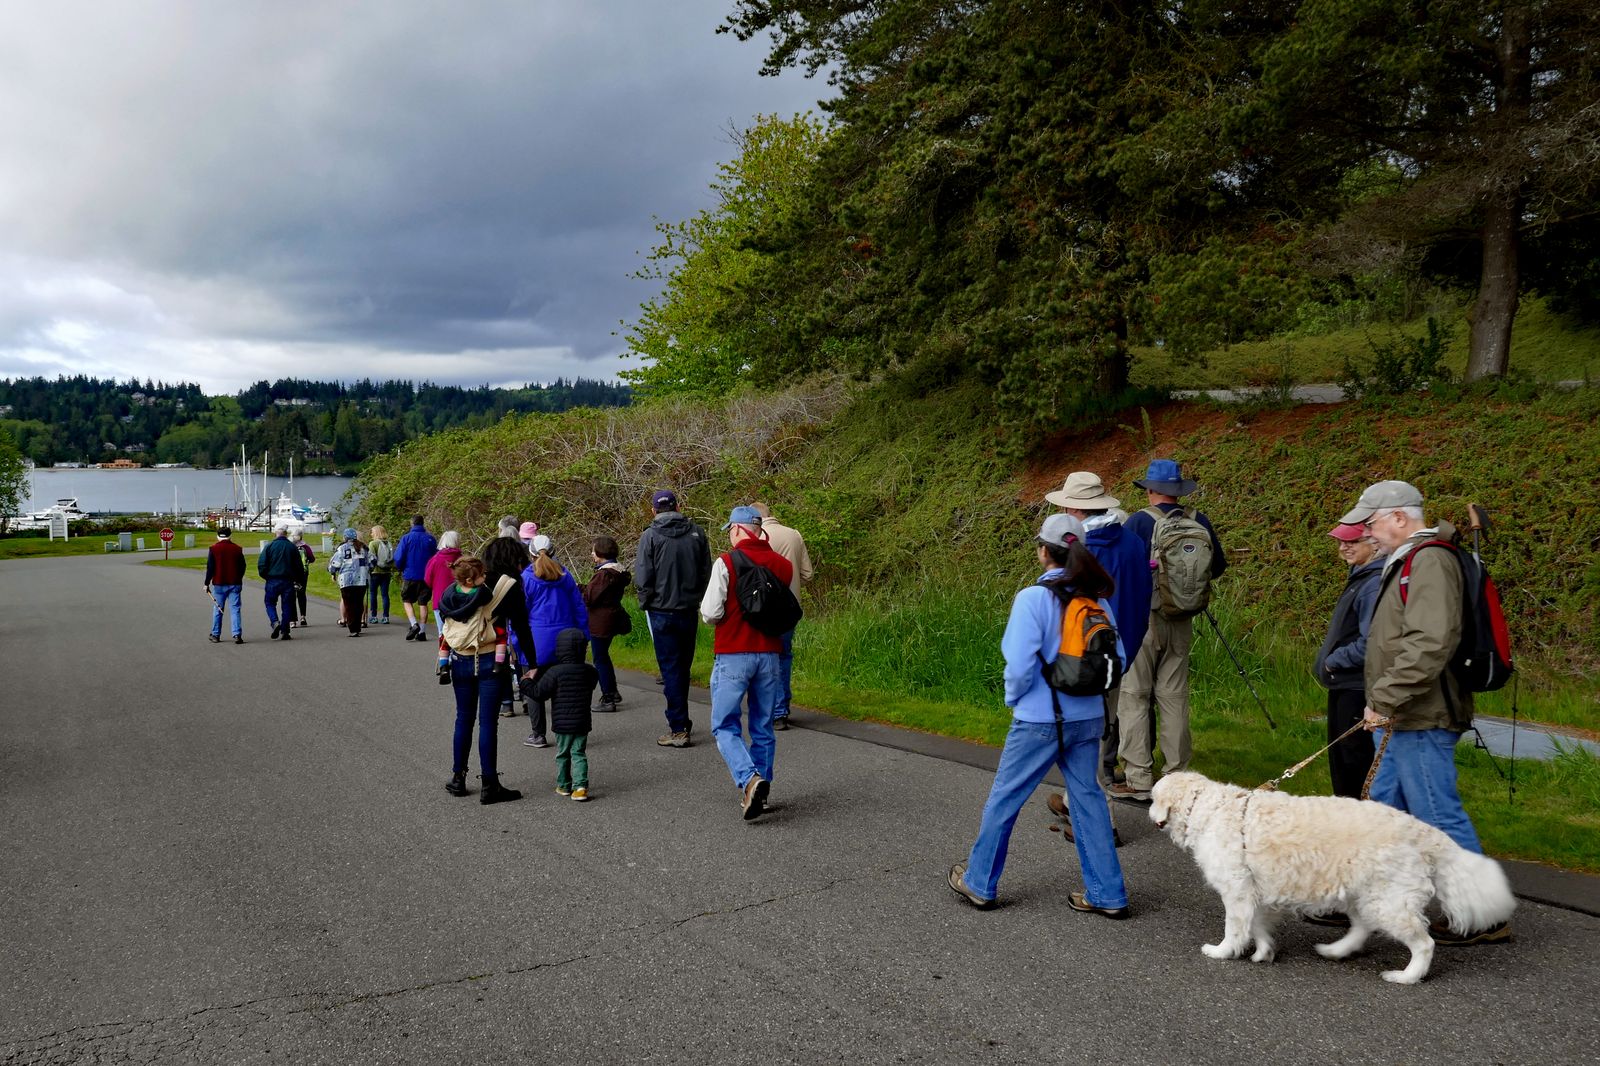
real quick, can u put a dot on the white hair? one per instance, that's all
(449, 539)
(1413, 513)
(280, 529)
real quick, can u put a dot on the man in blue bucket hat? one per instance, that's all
(1168, 531)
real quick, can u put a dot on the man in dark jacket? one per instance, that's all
(1343, 656)
(569, 685)
(671, 572)
(411, 557)
(225, 580)
(282, 567)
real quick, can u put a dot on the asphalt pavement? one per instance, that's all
(223, 854)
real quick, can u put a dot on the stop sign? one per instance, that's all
(166, 536)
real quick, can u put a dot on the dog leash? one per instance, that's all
(1377, 759)
(1272, 785)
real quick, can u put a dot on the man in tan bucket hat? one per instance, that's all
(1123, 556)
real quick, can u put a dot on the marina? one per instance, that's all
(205, 497)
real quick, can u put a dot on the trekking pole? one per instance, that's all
(1480, 526)
(1236, 665)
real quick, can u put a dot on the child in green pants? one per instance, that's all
(568, 685)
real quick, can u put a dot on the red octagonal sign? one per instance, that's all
(166, 536)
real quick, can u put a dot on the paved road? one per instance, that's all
(220, 854)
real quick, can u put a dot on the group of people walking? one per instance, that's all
(513, 621)
(1386, 663)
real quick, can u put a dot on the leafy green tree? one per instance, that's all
(1481, 115)
(695, 335)
(13, 480)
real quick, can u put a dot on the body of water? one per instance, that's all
(149, 490)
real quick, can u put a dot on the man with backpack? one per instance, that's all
(749, 602)
(1412, 690)
(1185, 557)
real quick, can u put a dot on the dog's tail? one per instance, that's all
(1472, 888)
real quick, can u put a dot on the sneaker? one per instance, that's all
(562, 790)
(507, 711)
(781, 723)
(237, 639)
(1127, 793)
(536, 740)
(286, 636)
(385, 619)
(276, 631)
(1077, 902)
(411, 632)
(580, 794)
(754, 798)
(1446, 937)
(1058, 807)
(958, 884)
(674, 740)
(213, 638)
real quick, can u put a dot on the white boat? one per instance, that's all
(258, 513)
(66, 505)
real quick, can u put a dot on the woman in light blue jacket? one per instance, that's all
(1049, 728)
(349, 565)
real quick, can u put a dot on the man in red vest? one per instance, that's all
(746, 663)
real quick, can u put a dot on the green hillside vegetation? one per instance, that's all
(921, 531)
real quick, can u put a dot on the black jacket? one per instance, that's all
(1342, 659)
(673, 566)
(568, 684)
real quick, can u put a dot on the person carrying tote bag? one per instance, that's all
(468, 609)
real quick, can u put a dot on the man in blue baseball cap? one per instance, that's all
(1185, 555)
(746, 666)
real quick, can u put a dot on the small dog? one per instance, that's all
(1267, 853)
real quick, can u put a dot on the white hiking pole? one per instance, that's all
(1242, 675)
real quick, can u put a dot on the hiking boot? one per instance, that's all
(958, 884)
(1127, 793)
(674, 740)
(495, 792)
(237, 639)
(213, 638)
(457, 785)
(781, 723)
(580, 794)
(1335, 919)
(1077, 902)
(275, 631)
(1057, 802)
(1445, 937)
(286, 636)
(754, 799)
(536, 740)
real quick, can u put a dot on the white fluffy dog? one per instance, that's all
(1267, 853)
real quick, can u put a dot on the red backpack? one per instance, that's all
(1482, 661)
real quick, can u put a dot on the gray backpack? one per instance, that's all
(1180, 555)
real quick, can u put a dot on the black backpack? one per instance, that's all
(1482, 661)
(766, 603)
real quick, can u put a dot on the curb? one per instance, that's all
(1531, 881)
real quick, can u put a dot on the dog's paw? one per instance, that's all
(1219, 951)
(1332, 951)
(1265, 953)
(1400, 977)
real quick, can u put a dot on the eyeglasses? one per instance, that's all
(1380, 514)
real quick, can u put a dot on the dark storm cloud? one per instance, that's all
(238, 191)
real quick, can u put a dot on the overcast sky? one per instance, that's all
(454, 191)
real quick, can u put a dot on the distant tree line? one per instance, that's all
(324, 426)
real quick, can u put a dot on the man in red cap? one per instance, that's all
(1343, 657)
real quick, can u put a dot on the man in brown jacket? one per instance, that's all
(1411, 691)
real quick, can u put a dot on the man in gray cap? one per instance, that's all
(1411, 691)
(1160, 669)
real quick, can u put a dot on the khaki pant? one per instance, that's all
(1162, 668)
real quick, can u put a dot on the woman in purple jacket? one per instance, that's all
(554, 603)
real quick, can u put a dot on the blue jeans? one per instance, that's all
(673, 633)
(477, 691)
(280, 599)
(1418, 775)
(377, 584)
(785, 673)
(1031, 749)
(733, 677)
(602, 664)
(225, 595)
